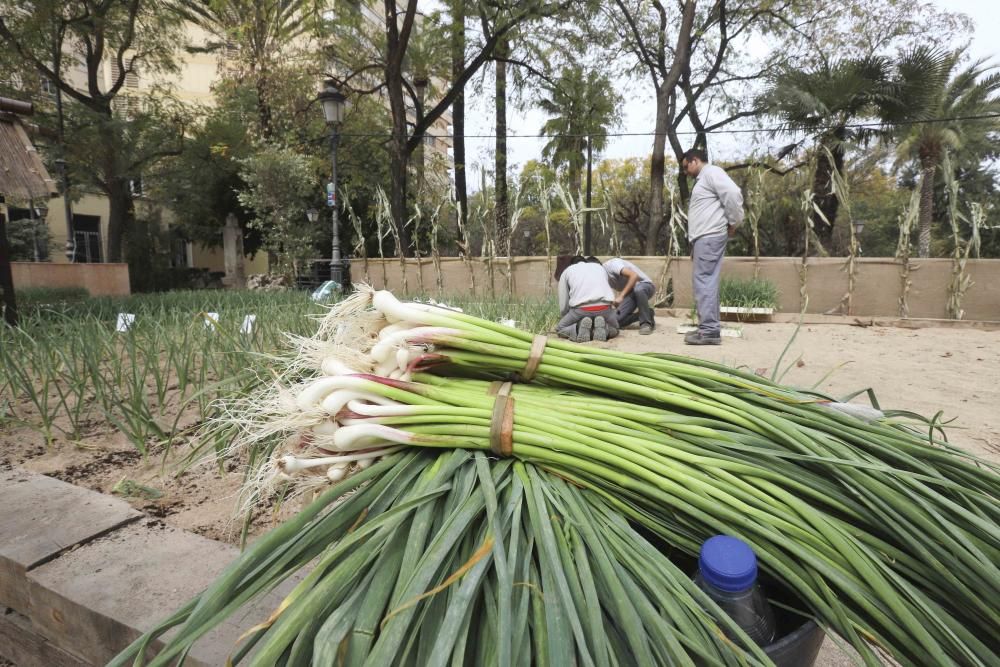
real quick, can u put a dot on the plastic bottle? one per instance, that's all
(727, 572)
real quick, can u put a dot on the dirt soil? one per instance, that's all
(201, 499)
(956, 371)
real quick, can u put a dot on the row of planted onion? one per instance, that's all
(882, 532)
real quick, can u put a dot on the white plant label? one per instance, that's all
(125, 321)
(247, 326)
(211, 319)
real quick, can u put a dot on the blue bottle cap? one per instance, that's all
(727, 563)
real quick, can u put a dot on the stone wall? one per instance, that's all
(98, 279)
(876, 293)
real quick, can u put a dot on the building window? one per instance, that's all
(46, 86)
(86, 238)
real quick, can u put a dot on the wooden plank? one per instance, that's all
(99, 598)
(42, 517)
(22, 645)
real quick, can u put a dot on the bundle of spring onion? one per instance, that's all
(887, 535)
(449, 559)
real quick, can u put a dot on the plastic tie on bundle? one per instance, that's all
(527, 373)
(502, 421)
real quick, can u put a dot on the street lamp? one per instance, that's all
(859, 226)
(64, 176)
(312, 215)
(334, 103)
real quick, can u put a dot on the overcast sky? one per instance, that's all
(638, 113)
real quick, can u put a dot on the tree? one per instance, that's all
(582, 106)
(824, 102)
(644, 27)
(366, 62)
(259, 31)
(718, 72)
(129, 36)
(200, 185)
(501, 210)
(957, 106)
(280, 188)
(457, 32)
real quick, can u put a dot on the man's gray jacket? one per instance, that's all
(716, 201)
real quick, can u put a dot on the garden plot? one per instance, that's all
(928, 370)
(908, 368)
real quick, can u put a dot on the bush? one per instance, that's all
(753, 293)
(33, 300)
(47, 296)
(29, 240)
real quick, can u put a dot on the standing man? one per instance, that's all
(635, 289)
(714, 213)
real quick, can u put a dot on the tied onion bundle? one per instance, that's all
(886, 534)
(448, 559)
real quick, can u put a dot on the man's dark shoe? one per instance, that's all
(696, 338)
(600, 329)
(645, 329)
(584, 329)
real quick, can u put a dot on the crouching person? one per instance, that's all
(585, 301)
(635, 289)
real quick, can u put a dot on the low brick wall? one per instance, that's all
(876, 292)
(98, 279)
(82, 575)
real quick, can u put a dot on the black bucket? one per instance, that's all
(798, 648)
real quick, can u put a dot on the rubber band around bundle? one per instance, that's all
(527, 374)
(502, 426)
(499, 388)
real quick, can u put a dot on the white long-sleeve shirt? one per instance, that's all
(583, 284)
(716, 202)
(617, 279)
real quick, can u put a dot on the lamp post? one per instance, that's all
(312, 215)
(859, 226)
(420, 86)
(333, 110)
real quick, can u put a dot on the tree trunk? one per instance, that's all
(263, 107)
(928, 169)
(824, 199)
(575, 175)
(398, 154)
(824, 196)
(6, 278)
(500, 177)
(656, 169)
(458, 113)
(119, 215)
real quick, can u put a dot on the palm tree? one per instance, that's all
(582, 106)
(824, 102)
(257, 29)
(957, 108)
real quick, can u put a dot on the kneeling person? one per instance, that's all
(635, 289)
(585, 303)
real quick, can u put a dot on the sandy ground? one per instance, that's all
(956, 371)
